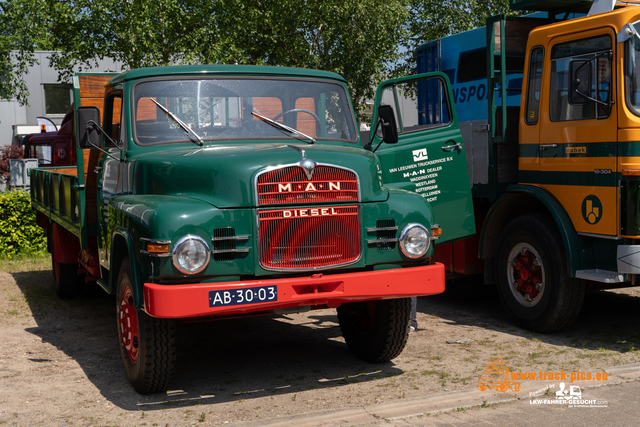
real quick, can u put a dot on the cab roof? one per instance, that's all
(223, 70)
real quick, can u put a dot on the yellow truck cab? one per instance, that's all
(552, 136)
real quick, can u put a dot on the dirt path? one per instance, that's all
(60, 364)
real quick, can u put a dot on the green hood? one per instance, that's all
(224, 176)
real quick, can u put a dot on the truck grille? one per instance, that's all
(309, 238)
(291, 185)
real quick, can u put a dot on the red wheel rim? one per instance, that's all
(128, 325)
(526, 274)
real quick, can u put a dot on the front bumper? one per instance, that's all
(183, 301)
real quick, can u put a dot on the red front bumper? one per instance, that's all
(181, 301)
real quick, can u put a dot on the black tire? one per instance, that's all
(147, 344)
(66, 278)
(375, 331)
(533, 282)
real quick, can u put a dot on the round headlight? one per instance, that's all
(415, 240)
(191, 254)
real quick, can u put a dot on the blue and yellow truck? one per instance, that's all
(549, 108)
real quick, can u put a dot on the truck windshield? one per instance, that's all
(632, 70)
(226, 108)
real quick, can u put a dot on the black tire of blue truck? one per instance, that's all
(525, 241)
(375, 331)
(67, 281)
(147, 344)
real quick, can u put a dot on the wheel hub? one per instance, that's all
(128, 325)
(526, 274)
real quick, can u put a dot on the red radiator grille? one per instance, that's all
(307, 238)
(290, 185)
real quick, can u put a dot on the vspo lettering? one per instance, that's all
(466, 93)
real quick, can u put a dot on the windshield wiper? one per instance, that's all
(186, 129)
(285, 128)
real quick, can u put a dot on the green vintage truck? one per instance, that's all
(209, 192)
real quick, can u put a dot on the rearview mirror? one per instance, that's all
(388, 124)
(580, 82)
(87, 127)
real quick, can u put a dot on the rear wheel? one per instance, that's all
(533, 281)
(375, 331)
(147, 344)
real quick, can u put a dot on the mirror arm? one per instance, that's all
(373, 135)
(91, 125)
(382, 140)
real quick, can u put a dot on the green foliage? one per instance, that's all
(19, 232)
(24, 28)
(429, 20)
(365, 41)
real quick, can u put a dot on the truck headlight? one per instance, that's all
(415, 240)
(191, 254)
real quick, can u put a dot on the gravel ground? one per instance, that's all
(60, 364)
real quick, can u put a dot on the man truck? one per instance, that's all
(211, 192)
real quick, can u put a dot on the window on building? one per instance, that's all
(57, 98)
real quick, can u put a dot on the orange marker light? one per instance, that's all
(630, 172)
(153, 248)
(436, 231)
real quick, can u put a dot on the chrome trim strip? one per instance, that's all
(373, 242)
(167, 255)
(228, 251)
(156, 241)
(372, 230)
(219, 239)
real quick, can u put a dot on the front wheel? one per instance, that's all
(375, 331)
(147, 344)
(533, 281)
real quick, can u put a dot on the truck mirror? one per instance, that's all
(580, 82)
(388, 124)
(88, 124)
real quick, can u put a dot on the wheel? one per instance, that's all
(298, 110)
(66, 278)
(533, 282)
(375, 331)
(482, 387)
(502, 387)
(515, 387)
(147, 344)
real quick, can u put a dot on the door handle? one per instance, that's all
(450, 148)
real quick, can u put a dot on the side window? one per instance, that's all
(581, 79)
(113, 119)
(533, 85)
(418, 105)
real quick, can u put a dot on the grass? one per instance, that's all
(25, 262)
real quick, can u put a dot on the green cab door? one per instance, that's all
(429, 157)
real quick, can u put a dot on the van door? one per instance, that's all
(429, 157)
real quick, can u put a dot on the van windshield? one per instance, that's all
(227, 108)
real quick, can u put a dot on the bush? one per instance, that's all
(19, 232)
(7, 153)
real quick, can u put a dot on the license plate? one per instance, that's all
(240, 296)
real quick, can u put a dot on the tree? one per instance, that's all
(23, 29)
(353, 38)
(429, 20)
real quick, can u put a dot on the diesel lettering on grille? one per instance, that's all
(297, 213)
(288, 187)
